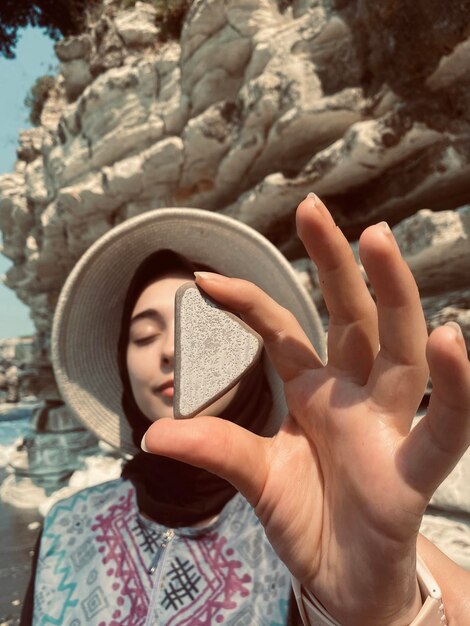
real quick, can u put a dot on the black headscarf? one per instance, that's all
(171, 492)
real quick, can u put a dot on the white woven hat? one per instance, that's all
(88, 315)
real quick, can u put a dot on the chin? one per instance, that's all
(155, 414)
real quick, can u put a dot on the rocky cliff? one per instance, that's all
(18, 351)
(256, 104)
(246, 113)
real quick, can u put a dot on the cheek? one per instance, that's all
(137, 366)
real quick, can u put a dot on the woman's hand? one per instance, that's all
(342, 488)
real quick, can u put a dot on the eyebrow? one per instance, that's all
(151, 314)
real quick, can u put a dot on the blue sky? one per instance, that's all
(34, 57)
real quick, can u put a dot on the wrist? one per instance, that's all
(426, 609)
(372, 610)
(375, 600)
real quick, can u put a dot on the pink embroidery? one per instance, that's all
(117, 538)
(222, 583)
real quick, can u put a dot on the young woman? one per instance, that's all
(336, 478)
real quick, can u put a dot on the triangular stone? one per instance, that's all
(213, 350)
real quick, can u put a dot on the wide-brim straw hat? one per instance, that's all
(87, 319)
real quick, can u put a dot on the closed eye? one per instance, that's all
(144, 341)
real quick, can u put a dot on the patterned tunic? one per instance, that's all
(101, 563)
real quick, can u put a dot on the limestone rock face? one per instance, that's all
(258, 103)
(249, 111)
(16, 350)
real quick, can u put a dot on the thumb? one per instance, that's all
(216, 445)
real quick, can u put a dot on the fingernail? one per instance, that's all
(456, 328)
(211, 276)
(313, 196)
(385, 227)
(142, 444)
(320, 207)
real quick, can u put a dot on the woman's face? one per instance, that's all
(150, 351)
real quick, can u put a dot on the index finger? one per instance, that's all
(287, 344)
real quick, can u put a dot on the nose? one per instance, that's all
(168, 348)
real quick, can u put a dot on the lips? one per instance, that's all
(166, 389)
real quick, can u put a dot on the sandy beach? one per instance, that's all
(18, 531)
(20, 524)
(19, 527)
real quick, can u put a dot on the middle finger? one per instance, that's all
(400, 372)
(353, 327)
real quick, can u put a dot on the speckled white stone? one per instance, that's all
(213, 349)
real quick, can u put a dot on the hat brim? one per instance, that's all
(87, 319)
